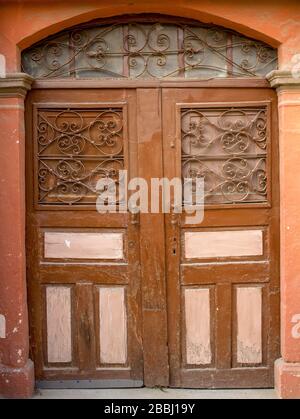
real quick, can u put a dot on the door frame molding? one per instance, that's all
(157, 83)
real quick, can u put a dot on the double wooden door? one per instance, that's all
(118, 299)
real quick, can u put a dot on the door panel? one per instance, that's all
(223, 274)
(83, 266)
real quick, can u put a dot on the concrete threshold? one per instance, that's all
(155, 393)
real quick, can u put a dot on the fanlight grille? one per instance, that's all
(144, 49)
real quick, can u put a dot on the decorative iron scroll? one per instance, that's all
(228, 148)
(149, 50)
(74, 149)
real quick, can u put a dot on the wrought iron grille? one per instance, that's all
(149, 50)
(228, 148)
(74, 148)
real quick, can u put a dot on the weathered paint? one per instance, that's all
(249, 325)
(65, 245)
(59, 335)
(213, 244)
(197, 325)
(15, 367)
(113, 325)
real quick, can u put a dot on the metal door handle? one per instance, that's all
(175, 216)
(135, 216)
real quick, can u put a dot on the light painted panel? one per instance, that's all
(249, 325)
(197, 322)
(2, 327)
(209, 244)
(59, 334)
(113, 325)
(64, 245)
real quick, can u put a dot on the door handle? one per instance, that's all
(135, 216)
(175, 216)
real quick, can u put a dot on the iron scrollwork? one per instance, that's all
(149, 50)
(75, 149)
(228, 148)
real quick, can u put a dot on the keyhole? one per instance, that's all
(174, 245)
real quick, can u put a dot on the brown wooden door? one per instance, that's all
(83, 267)
(121, 300)
(223, 274)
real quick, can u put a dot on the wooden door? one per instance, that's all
(106, 308)
(83, 266)
(223, 274)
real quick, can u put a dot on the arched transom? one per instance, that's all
(157, 48)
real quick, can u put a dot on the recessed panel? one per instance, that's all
(228, 148)
(213, 244)
(74, 151)
(65, 245)
(59, 335)
(198, 325)
(113, 325)
(249, 325)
